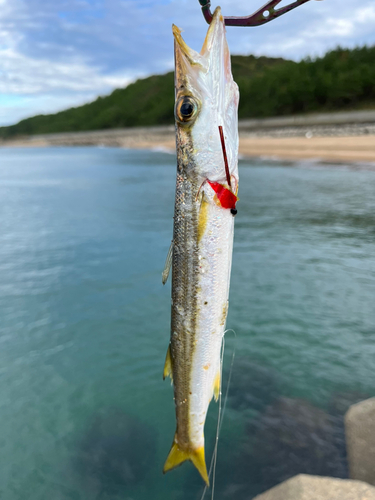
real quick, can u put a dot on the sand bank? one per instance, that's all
(332, 149)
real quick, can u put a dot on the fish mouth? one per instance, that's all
(215, 35)
(180, 45)
(215, 31)
(214, 56)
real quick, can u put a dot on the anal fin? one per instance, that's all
(217, 385)
(168, 365)
(177, 456)
(168, 264)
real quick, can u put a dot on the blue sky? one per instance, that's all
(60, 53)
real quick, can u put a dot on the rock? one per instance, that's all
(290, 437)
(360, 438)
(293, 437)
(115, 453)
(340, 402)
(304, 487)
(253, 386)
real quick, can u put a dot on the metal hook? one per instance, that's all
(263, 15)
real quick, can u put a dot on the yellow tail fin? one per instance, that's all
(177, 456)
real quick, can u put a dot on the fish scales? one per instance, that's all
(184, 289)
(206, 98)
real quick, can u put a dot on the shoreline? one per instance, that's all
(355, 149)
(335, 137)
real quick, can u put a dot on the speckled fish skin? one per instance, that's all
(203, 236)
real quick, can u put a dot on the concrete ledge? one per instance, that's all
(304, 487)
(360, 439)
(318, 119)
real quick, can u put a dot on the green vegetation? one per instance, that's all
(342, 79)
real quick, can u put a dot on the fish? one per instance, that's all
(206, 115)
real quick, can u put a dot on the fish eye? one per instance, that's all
(186, 108)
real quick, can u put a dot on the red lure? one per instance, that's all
(225, 196)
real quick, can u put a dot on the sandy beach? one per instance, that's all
(331, 149)
(340, 137)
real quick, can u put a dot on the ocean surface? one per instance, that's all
(84, 325)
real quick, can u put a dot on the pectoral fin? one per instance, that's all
(177, 456)
(168, 365)
(168, 264)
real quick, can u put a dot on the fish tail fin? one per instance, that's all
(177, 456)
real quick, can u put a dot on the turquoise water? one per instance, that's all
(85, 324)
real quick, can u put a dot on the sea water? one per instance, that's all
(84, 324)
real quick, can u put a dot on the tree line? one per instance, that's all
(343, 79)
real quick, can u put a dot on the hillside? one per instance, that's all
(342, 79)
(149, 101)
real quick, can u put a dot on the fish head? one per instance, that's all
(206, 98)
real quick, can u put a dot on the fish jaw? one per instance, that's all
(207, 78)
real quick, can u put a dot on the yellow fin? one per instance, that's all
(168, 365)
(168, 264)
(203, 217)
(217, 384)
(177, 456)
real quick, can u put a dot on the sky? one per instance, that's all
(56, 54)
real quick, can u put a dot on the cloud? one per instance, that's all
(60, 52)
(365, 15)
(46, 76)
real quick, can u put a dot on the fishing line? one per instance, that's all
(219, 420)
(221, 413)
(230, 374)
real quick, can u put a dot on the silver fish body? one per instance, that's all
(206, 98)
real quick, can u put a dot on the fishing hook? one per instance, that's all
(263, 15)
